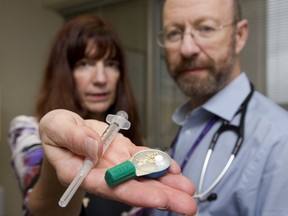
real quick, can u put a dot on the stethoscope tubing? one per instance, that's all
(201, 196)
(239, 131)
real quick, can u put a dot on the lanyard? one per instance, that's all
(203, 133)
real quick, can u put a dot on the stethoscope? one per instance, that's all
(207, 194)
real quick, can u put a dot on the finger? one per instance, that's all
(179, 182)
(179, 201)
(84, 141)
(132, 192)
(174, 167)
(144, 192)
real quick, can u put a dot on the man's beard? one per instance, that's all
(219, 75)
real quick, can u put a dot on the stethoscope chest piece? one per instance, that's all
(148, 163)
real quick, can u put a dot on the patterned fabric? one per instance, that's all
(27, 153)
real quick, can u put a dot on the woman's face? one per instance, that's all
(96, 82)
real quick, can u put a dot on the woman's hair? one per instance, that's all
(59, 90)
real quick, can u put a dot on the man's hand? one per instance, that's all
(68, 139)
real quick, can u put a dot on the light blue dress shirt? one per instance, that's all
(256, 184)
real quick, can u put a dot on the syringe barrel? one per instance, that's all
(109, 135)
(117, 122)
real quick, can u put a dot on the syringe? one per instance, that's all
(117, 122)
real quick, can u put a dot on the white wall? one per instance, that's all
(26, 31)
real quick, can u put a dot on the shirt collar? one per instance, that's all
(224, 104)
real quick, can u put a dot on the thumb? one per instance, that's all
(92, 149)
(67, 130)
(84, 141)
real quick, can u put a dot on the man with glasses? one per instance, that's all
(233, 141)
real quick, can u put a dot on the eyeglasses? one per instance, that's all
(200, 33)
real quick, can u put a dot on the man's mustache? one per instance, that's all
(190, 64)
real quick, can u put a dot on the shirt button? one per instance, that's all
(188, 132)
